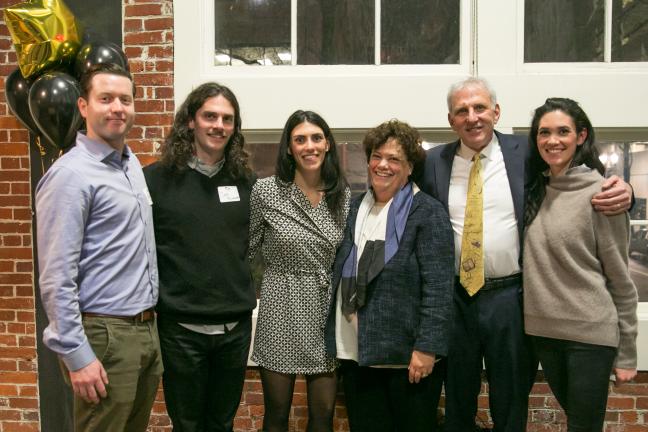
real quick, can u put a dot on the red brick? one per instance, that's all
(144, 38)
(14, 149)
(20, 427)
(165, 52)
(10, 163)
(14, 175)
(153, 79)
(7, 414)
(154, 119)
(143, 10)
(6, 266)
(22, 214)
(15, 253)
(17, 377)
(620, 403)
(10, 240)
(9, 390)
(14, 278)
(7, 315)
(132, 25)
(8, 340)
(148, 106)
(16, 303)
(15, 227)
(133, 52)
(164, 92)
(23, 403)
(158, 24)
(20, 188)
(25, 316)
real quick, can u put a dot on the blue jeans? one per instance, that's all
(578, 374)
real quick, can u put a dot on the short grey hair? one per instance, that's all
(471, 82)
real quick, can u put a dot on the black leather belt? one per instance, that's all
(144, 316)
(497, 283)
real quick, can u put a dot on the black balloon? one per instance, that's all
(99, 52)
(17, 95)
(53, 105)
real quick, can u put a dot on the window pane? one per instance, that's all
(629, 160)
(419, 32)
(335, 32)
(252, 32)
(629, 30)
(563, 31)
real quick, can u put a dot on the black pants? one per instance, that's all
(489, 328)
(203, 375)
(383, 400)
(579, 375)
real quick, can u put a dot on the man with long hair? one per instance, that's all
(200, 190)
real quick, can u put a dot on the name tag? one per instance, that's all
(146, 193)
(228, 194)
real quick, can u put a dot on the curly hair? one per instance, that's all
(586, 153)
(334, 182)
(178, 147)
(408, 138)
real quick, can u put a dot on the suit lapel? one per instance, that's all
(444, 171)
(514, 162)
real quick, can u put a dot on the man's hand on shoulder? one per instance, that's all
(615, 197)
(89, 382)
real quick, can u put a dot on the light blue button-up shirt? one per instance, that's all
(96, 245)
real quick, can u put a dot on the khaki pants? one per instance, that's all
(130, 354)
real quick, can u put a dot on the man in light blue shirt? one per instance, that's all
(97, 260)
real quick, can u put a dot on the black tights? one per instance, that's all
(277, 398)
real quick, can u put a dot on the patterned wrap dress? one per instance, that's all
(298, 243)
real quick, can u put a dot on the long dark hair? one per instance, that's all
(179, 145)
(334, 183)
(586, 153)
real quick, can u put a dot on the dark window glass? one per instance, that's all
(253, 32)
(563, 31)
(629, 30)
(629, 160)
(335, 32)
(419, 32)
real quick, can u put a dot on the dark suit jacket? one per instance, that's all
(438, 169)
(409, 303)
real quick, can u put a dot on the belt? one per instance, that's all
(497, 283)
(146, 315)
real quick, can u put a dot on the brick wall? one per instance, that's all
(148, 42)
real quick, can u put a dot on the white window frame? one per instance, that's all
(269, 94)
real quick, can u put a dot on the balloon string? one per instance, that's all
(42, 152)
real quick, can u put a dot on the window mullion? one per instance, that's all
(377, 28)
(607, 47)
(293, 32)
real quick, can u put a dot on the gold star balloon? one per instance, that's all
(44, 33)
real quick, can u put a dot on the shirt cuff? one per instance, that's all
(81, 357)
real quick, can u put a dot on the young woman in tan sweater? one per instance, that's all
(579, 301)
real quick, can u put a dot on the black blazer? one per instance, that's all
(438, 168)
(409, 303)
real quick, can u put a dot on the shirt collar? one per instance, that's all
(487, 152)
(205, 169)
(99, 149)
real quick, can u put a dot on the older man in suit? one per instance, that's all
(480, 179)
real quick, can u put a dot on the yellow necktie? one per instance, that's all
(471, 270)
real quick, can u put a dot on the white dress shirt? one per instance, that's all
(501, 239)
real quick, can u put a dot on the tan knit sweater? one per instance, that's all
(576, 281)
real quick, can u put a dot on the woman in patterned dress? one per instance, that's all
(297, 220)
